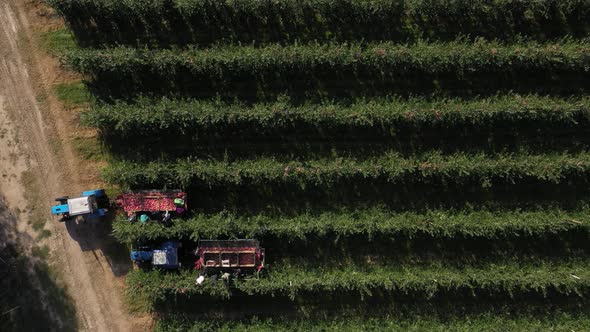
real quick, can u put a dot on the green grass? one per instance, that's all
(58, 41)
(73, 94)
(43, 234)
(91, 148)
(38, 223)
(41, 252)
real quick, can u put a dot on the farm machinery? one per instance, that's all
(153, 204)
(143, 205)
(229, 255)
(212, 256)
(92, 203)
(164, 256)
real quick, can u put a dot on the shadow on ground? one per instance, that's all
(30, 298)
(96, 234)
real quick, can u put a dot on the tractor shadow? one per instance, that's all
(96, 234)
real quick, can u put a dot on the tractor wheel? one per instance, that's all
(66, 217)
(104, 202)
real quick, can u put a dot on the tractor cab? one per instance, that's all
(164, 256)
(92, 203)
(142, 254)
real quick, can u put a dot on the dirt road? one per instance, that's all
(34, 144)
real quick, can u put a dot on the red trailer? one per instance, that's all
(169, 202)
(229, 255)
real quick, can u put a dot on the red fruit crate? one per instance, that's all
(151, 201)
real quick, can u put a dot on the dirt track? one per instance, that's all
(34, 141)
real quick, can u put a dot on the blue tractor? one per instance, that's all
(92, 203)
(164, 256)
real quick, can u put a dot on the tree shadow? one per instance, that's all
(343, 82)
(458, 251)
(30, 298)
(376, 302)
(310, 140)
(412, 193)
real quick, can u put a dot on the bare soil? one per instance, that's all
(38, 163)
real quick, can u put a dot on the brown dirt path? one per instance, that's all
(40, 146)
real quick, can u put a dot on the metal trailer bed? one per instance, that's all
(230, 254)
